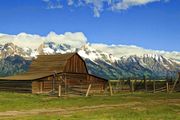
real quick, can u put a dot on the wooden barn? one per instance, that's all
(61, 73)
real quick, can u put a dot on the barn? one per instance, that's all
(61, 74)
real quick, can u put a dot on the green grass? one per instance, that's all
(156, 113)
(159, 106)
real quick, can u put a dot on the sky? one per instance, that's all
(151, 24)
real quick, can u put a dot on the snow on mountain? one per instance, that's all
(100, 62)
(76, 40)
(86, 51)
(157, 61)
(89, 52)
(129, 50)
(110, 61)
(132, 65)
(53, 48)
(10, 49)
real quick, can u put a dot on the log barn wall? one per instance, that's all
(72, 82)
(75, 65)
(15, 85)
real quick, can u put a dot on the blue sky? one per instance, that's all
(152, 24)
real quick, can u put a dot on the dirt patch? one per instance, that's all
(139, 108)
(67, 111)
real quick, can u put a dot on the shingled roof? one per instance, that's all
(43, 66)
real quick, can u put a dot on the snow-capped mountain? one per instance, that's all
(102, 63)
(133, 66)
(89, 52)
(10, 49)
(53, 48)
(129, 50)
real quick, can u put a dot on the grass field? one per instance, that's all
(137, 106)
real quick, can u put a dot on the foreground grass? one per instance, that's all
(156, 113)
(150, 106)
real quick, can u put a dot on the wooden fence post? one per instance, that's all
(89, 87)
(129, 83)
(59, 90)
(132, 85)
(167, 86)
(122, 85)
(65, 84)
(135, 84)
(154, 86)
(53, 84)
(145, 83)
(175, 82)
(41, 87)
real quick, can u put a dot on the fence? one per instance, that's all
(146, 85)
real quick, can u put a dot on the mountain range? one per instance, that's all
(134, 62)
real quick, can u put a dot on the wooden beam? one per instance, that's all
(89, 87)
(65, 84)
(176, 81)
(145, 83)
(135, 84)
(59, 90)
(41, 87)
(110, 88)
(53, 84)
(122, 85)
(129, 83)
(132, 85)
(167, 86)
(154, 86)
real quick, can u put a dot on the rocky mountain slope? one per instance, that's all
(13, 65)
(100, 63)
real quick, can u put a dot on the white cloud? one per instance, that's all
(96, 12)
(99, 6)
(70, 2)
(53, 4)
(76, 39)
(125, 4)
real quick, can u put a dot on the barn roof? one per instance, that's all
(27, 76)
(43, 66)
(49, 63)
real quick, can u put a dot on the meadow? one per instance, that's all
(130, 106)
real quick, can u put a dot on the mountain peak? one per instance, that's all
(52, 48)
(10, 49)
(100, 62)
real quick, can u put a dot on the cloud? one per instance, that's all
(70, 2)
(99, 6)
(125, 4)
(76, 39)
(96, 12)
(53, 4)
